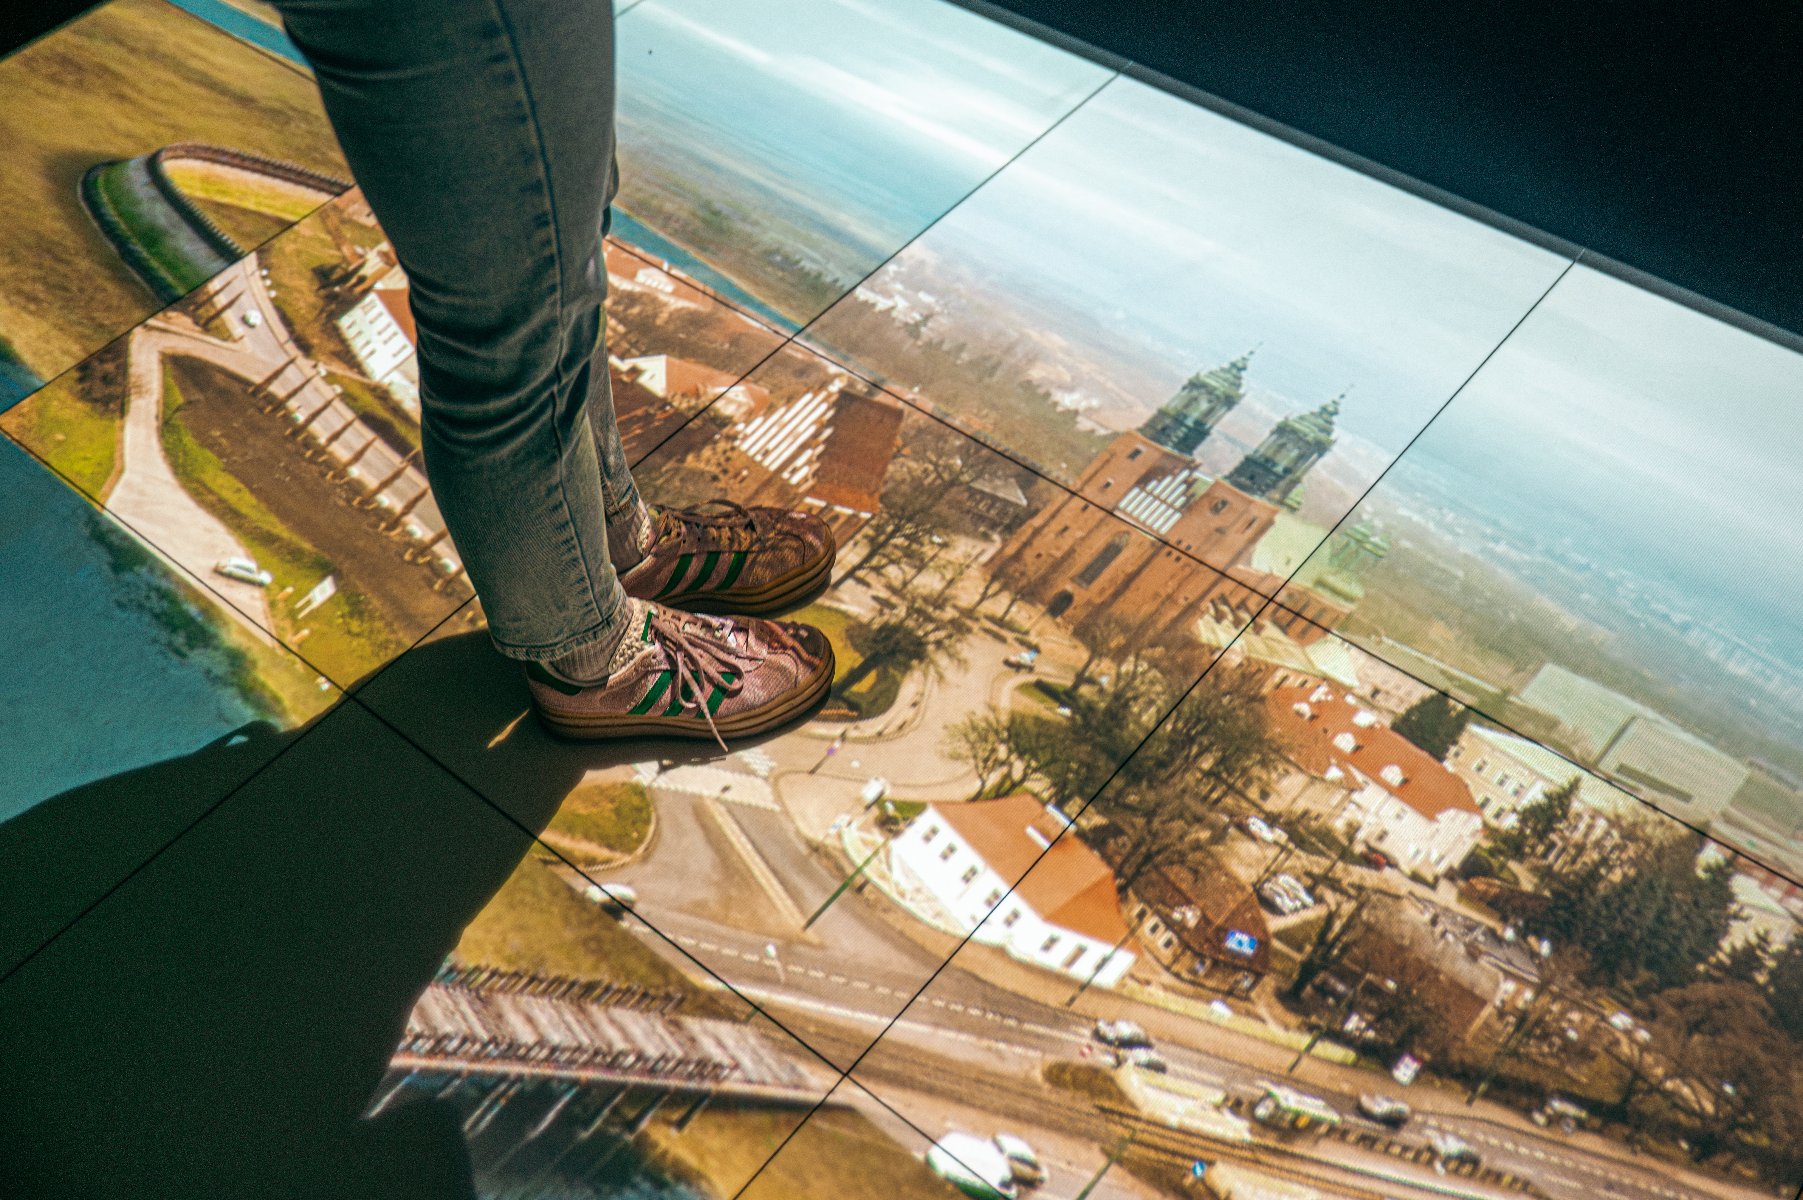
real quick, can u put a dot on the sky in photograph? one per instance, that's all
(1165, 223)
(1663, 438)
(880, 113)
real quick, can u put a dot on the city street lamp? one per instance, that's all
(774, 960)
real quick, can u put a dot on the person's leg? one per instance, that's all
(481, 133)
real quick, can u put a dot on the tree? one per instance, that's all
(1744, 962)
(1103, 635)
(1344, 920)
(915, 516)
(1535, 823)
(918, 630)
(1433, 723)
(1646, 916)
(1784, 987)
(1724, 1074)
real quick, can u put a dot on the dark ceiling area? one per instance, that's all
(1667, 136)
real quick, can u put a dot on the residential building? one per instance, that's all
(382, 336)
(1468, 972)
(1505, 773)
(679, 380)
(1386, 792)
(1001, 869)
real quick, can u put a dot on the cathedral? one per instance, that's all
(1078, 562)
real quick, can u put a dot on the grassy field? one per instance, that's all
(250, 212)
(536, 922)
(118, 82)
(838, 1153)
(616, 816)
(76, 434)
(347, 639)
(378, 410)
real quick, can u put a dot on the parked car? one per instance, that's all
(1122, 1035)
(1258, 828)
(1028, 1170)
(612, 895)
(244, 570)
(252, 319)
(1450, 1148)
(1021, 662)
(1143, 1057)
(1385, 1110)
(1376, 859)
(1284, 894)
(1562, 1114)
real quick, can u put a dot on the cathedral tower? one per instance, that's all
(1187, 418)
(1273, 470)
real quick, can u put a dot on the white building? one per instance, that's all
(1063, 913)
(1391, 795)
(1506, 773)
(380, 331)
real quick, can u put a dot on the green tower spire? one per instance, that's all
(1277, 466)
(1188, 417)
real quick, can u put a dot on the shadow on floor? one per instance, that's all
(217, 1025)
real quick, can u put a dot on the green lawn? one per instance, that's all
(1085, 1079)
(74, 435)
(117, 82)
(378, 410)
(348, 639)
(836, 625)
(251, 212)
(536, 922)
(837, 1153)
(110, 190)
(614, 815)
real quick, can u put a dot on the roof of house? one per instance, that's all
(395, 301)
(1067, 885)
(1310, 722)
(856, 450)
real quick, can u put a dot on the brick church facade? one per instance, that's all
(1087, 555)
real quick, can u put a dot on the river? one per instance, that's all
(107, 664)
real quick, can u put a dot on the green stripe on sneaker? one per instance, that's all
(657, 689)
(732, 569)
(675, 580)
(645, 631)
(713, 701)
(676, 697)
(707, 569)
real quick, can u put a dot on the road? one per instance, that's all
(853, 976)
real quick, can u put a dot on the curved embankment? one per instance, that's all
(160, 232)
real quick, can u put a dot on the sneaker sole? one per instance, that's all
(778, 595)
(783, 710)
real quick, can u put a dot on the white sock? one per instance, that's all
(594, 662)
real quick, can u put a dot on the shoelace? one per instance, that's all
(702, 655)
(732, 525)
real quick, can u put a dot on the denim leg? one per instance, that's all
(481, 133)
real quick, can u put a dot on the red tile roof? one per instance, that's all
(1427, 785)
(395, 301)
(1071, 887)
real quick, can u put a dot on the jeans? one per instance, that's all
(481, 134)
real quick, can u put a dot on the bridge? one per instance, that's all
(589, 1058)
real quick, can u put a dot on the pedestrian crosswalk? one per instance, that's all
(760, 763)
(704, 779)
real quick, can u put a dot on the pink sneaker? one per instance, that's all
(685, 675)
(724, 557)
